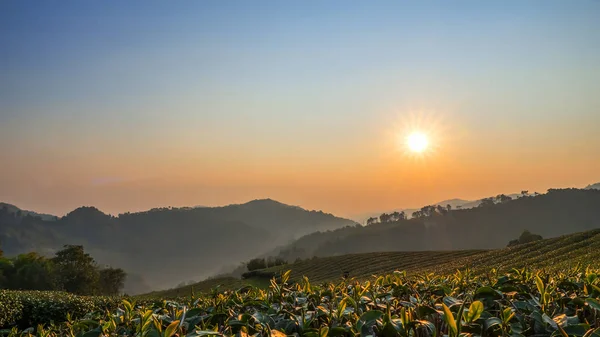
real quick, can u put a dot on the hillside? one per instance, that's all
(191, 243)
(489, 226)
(454, 204)
(556, 253)
(14, 209)
(593, 187)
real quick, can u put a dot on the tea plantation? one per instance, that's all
(545, 288)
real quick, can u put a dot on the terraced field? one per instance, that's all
(553, 254)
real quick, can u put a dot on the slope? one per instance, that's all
(555, 213)
(552, 254)
(191, 243)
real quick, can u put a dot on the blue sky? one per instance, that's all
(297, 86)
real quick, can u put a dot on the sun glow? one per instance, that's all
(417, 142)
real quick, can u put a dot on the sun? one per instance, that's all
(417, 142)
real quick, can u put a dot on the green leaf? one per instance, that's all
(424, 310)
(539, 284)
(490, 322)
(593, 303)
(577, 329)
(485, 292)
(451, 301)
(193, 312)
(475, 311)
(369, 316)
(337, 331)
(170, 330)
(449, 318)
(323, 331)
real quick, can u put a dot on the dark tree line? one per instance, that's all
(525, 237)
(71, 270)
(383, 218)
(262, 263)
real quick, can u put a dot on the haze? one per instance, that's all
(132, 105)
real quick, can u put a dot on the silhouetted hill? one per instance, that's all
(454, 204)
(191, 243)
(595, 186)
(14, 209)
(555, 213)
(557, 253)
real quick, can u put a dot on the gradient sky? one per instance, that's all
(129, 105)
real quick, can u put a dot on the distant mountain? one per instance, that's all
(454, 204)
(14, 209)
(595, 186)
(558, 212)
(167, 245)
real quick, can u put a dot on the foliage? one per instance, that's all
(231, 234)
(111, 281)
(525, 237)
(71, 270)
(555, 213)
(519, 303)
(76, 270)
(11, 308)
(262, 263)
(30, 308)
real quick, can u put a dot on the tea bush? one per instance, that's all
(30, 308)
(519, 303)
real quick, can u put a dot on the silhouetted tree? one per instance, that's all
(485, 202)
(31, 271)
(371, 221)
(383, 218)
(525, 237)
(256, 264)
(417, 214)
(76, 270)
(111, 281)
(502, 198)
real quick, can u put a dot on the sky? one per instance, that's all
(132, 105)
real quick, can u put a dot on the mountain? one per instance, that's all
(14, 209)
(557, 253)
(555, 213)
(167, 245)
(454, 203)
(595, 186)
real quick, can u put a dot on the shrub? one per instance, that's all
(29, 308)
(11, 308)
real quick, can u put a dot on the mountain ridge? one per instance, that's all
(188, 242)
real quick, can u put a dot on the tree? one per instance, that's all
(76, 270)
(384, 218)
(525, 237)
(111, 281)
(256, 264)
(371, 221)
(485, 202)
(502, 198)
(441, 209)
(31, 271)
(524, 193)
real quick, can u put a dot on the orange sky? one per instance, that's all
(126, 108)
